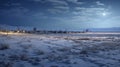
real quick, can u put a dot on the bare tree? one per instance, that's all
(34, 29)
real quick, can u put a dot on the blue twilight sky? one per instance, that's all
(61, 14)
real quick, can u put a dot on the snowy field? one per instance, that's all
(60, 50)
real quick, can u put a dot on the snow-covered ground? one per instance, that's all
(69, 50)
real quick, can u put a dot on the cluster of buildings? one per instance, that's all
(35, 31)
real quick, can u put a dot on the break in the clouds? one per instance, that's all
(99, 3)
(60, 14)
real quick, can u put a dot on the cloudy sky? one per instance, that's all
(61, 14)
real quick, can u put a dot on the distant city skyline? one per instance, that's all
(61, 14)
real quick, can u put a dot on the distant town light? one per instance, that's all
(18, 31)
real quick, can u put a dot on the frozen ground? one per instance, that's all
(71, 50)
